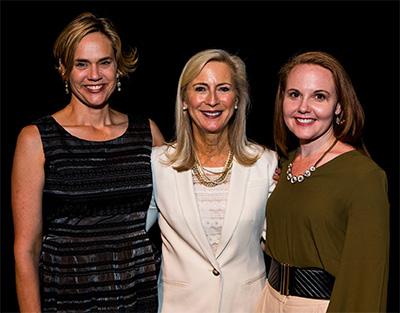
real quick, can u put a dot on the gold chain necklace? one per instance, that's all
(308, 172)
(199, 171)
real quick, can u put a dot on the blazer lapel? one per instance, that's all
(190, 212)
(234, 205)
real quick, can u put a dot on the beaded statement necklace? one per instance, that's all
(293, 179)
(199, 171)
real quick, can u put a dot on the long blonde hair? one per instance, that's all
(182, 155)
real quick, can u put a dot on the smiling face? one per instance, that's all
(310, 102)
(94, 74)
(211, 98)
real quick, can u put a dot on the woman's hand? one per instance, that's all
(277, 174)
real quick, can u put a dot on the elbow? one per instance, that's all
(25, 254)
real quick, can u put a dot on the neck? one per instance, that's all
(310, 148)
(211, 144)
(212, 155)
(88, 116)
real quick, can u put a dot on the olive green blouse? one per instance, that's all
(336, 219)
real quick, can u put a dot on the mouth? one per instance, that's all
(212, 114)
(304, 121)
(94, 88)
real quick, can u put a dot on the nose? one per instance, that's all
(94, 73)
(304, 106)
(212, 99)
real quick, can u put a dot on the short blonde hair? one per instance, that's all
(183, 156)
(67, 42)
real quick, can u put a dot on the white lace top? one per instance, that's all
(211, 202)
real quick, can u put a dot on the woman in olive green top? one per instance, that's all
(328, 218)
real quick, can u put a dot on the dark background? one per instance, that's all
(363, 35)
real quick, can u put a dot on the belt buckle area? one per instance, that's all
(284, 281)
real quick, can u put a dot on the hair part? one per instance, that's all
(68, 40)
(182, 157)
(352, 113)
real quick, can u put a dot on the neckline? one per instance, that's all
(336, 157)
(87, 140)
(307, 174)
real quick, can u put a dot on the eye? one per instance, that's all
(224, 88)
(105, 63)
(199, 88)
(320, 96)
(294, 94)
(80, 64)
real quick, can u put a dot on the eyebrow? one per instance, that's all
(322, 90)
(86, 60)
(315, 91)
(205, 84)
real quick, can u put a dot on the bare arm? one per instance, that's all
(27, 181)
(158, 138)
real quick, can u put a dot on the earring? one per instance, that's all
(338, 121)
(236, 107)
(184, 109)
(118, 84)
(66, 87)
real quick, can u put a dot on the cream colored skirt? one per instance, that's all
(271, 301)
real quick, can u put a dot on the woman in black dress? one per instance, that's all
(81, 180)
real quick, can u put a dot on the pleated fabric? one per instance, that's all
(97, 255)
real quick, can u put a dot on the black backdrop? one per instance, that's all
(363, 35)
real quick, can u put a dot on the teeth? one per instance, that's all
(305, 120)
(94, 87)
(212, 113)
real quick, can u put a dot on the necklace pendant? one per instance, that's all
(312, 168)
(293, 179)
(307, 173)
(300, 178)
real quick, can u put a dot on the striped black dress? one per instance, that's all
(97, 255)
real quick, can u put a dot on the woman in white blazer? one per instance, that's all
(211, 186)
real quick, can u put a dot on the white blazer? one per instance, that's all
(193, 278)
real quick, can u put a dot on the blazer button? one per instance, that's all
(215, 272)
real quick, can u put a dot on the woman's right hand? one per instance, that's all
(277, 174)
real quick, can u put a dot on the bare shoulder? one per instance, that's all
(29, 147)
(158, 138)
(339, 149)
(342, 147)
(29, 136)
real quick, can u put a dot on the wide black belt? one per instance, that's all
(312, 283)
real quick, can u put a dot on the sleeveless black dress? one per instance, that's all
(97, 255)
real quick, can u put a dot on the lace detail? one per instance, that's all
(212, 204)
